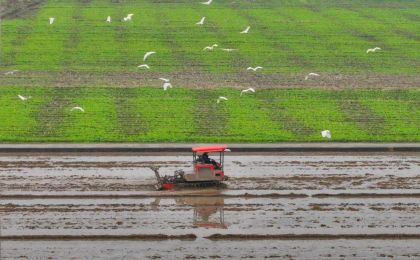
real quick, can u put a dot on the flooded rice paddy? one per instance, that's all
(273, 206)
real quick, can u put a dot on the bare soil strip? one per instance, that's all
(203, 80)
(156, 237)
(163, 195)
(11, 9)
(312, 236)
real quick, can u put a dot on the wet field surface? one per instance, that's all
(291, 206)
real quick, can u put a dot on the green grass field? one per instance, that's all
(82, 60)
(187, 115)
(285, 36)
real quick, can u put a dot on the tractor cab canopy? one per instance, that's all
(210, 149)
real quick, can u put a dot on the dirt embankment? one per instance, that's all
(10, 9)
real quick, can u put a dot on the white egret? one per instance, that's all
(312, 74)
(246, 29)
(167, 85)
(254, 69)
(77, 108)
(148, 54)
(128, 17)
(11, 72)
(220, 99)
(229, 50)
(210, 48)
(207, 3)
(52, 20)
(247, 90)
(373, 50)
(201, 22)
(23, 98)
(143, 66)
(108, 19)
(326, 134)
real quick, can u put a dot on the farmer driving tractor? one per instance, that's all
(207, 160)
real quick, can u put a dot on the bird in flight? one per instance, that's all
(201, 22)
(247, 90)
(311, 75)
(326, 134)
(51, 20)
(246, 29)
(148, 54)
(210, 48)
(23, 98)
(254, 69)
(128, 17)
(77, 108)
(164, 79)
(229, 50)
(143, 66)
(108, 19)
(220, 99)
(207, 3)
(373, 50)
(167, 85)
(11, 72)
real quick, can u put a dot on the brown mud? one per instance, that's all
(203, 80)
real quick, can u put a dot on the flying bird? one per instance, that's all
(77, 108)
(51, 20)
(164, 79)
(207, 3)
(326, 134)
(246, 29)
(148, 54)
(210, 48)
(373, 50)
(247, 90)
(220, 99)
(201, 22)
(254, 69)
(128, 17)
(143, 66)
(229, 50)
(108, 19)
(23, 98)
(311, 75)
(11, 72)
(166, 85)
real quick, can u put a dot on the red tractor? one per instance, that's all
(206, 171)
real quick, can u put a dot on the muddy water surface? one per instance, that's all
(273, 206)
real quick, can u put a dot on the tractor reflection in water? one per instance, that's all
(208, 211)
